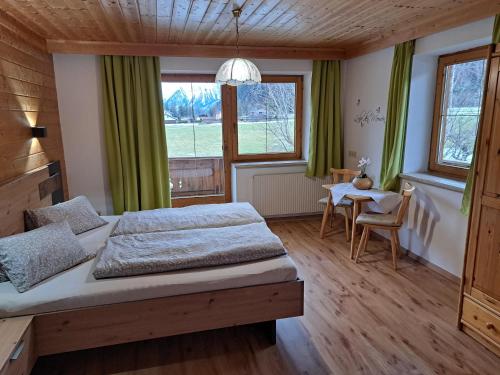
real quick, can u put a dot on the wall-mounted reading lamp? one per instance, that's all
(39, 131)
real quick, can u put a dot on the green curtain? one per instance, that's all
(496, 30)
(325, 139)
(135, 137)
(466, 200)
(397, 113)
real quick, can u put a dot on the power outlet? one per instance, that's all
(352, 154)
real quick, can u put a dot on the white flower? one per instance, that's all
(364, 162)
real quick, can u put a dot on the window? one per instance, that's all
(269, 119)
(209, 125)
(457, 111)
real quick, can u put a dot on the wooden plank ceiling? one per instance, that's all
(353, 26)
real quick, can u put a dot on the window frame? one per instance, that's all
(444, 61)
(298, 80)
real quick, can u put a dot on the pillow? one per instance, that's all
(78, 212)
(30, 257)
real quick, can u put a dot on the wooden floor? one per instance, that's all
(359, 319)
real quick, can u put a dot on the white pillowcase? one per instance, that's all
(78, 212)
(31, 257)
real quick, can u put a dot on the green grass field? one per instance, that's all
(183, 139)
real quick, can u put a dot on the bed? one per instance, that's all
(73, 310)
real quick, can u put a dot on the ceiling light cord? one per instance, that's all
(236, 14)
(238, 71)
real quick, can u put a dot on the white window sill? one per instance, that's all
(433, 180)
(269, 164)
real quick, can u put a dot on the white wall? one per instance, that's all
(436, 228)
(78, 89)
(366, 88)
(78, 95)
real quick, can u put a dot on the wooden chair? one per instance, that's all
(385, 221)
(339, 176)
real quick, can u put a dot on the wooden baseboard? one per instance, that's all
(293, 217)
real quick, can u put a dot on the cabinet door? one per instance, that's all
(480, 214)
(492, 181)
(487, 267)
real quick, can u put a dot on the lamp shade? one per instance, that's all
(235, 72)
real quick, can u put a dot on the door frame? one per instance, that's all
(227, 149)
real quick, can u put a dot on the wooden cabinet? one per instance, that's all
(17, 346)
(480, 299)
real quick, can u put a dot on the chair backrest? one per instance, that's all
(343, 175)
(406, 193)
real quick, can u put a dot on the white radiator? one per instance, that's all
(288, 194)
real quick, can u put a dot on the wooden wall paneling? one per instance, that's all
(27, 98)
(147, 49)
(117, 29)
(18, 26)
(359, 27)
(194, 20)
(208, 18)
(180, 15)
(268, 18)
(96, 19)
(304, 13)
(342, 19)
(16, 196)
(289, 28)
(147, 12)
(221, 25)
(250, 9)
(163, 20)
(135, 25)
(430, 24)
(353, 35)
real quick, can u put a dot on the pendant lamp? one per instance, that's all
(238, 71)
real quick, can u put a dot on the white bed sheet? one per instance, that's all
(77, 288)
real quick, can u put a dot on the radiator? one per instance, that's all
(288, 194)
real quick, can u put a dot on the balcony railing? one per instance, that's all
(196, 176)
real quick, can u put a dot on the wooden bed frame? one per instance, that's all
(27, 337)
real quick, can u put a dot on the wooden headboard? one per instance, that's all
(37, 188)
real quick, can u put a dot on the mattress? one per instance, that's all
(77, 288)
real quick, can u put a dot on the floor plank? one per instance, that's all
(359, 319)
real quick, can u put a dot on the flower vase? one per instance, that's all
(362, 182)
